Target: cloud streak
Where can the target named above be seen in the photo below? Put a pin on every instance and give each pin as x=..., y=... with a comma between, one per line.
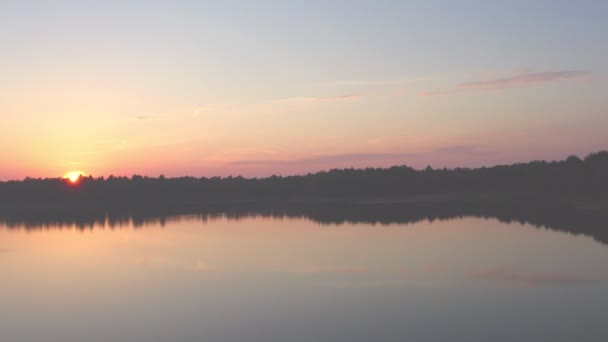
x=525, y=78
x=521, y=78
x=335, y=158
x=367, y=157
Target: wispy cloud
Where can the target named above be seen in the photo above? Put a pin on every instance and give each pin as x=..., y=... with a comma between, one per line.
x=374, y=83
x=513, y=79
x=369, y=157
x=526, y=77
x=335, y=158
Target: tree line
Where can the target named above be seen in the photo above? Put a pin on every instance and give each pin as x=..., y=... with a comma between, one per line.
x=572, y=177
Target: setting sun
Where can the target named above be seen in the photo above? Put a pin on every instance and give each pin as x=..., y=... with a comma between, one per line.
x=73, y=176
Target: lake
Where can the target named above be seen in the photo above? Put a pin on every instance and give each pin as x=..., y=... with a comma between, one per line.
x=292, y=278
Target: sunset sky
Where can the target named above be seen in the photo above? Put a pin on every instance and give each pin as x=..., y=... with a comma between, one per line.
x=209, y=88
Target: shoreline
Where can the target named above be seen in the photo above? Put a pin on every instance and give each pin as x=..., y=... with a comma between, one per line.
x=575, y=216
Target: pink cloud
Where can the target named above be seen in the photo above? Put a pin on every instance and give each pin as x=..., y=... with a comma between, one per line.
x=524, y=78
x=516, y=78
x=345, y=159
x=334, y=158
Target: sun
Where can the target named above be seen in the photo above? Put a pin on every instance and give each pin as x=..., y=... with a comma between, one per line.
x=74, y=176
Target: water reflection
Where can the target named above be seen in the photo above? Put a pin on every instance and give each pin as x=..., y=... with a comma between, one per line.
x=549, y=215
x=293, y=274
x=512, y=276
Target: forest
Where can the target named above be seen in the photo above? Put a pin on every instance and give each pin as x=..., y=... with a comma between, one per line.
x=570, y=178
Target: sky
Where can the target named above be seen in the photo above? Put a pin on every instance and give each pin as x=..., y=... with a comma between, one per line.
x=208, y=88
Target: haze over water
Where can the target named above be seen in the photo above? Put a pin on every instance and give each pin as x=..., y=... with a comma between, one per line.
x=290, y=279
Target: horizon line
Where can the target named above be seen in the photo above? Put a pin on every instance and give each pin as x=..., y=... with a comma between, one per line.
x=309, y=173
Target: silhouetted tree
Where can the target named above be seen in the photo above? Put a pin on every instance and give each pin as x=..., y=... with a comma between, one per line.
x=573, y=177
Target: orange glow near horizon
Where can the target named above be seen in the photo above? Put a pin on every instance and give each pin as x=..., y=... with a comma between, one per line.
x=74, y=176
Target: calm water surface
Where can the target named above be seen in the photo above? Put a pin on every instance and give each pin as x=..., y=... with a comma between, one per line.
x=272, y=279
